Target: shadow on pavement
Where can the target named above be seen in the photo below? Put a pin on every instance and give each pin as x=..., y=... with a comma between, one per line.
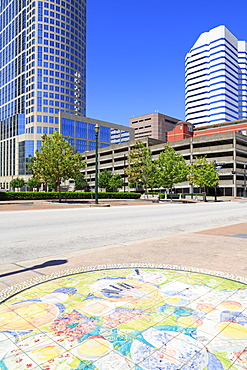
x=43, y=265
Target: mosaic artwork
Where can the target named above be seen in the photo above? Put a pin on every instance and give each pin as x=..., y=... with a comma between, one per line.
x=129, y=318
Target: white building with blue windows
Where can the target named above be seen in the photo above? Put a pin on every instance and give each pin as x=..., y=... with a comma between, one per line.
x=216, y=78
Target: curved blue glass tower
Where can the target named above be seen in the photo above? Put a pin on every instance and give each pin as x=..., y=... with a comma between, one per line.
x=42, y=72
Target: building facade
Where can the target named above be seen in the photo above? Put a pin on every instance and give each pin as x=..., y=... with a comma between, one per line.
x=215, y=78
x=154, y=125
x=79, y=131
x=239, y=126
x=182, y=130
x=42, y=73
x=229, y=148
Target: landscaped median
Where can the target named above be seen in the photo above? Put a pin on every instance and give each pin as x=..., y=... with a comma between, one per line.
x=65, y=195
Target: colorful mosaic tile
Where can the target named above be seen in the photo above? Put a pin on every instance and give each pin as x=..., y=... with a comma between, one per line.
x=138, y=318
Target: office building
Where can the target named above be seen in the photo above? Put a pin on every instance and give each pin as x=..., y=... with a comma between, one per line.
x=42, y=73
x=215, y=81
x=154, y=125
x=79, y=131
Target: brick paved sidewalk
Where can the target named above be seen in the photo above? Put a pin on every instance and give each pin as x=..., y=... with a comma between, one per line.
x=20, y=205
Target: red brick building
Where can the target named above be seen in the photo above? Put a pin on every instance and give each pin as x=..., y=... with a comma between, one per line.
x=182, y=130
x=231, y=126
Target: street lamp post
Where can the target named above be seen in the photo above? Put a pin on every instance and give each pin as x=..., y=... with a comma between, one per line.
x=217, y=166
x=96, y=129
x=215, y=186
x=244, y=180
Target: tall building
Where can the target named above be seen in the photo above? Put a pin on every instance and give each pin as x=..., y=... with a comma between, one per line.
x=154, y=125
x=216, y=78
x=42, y=72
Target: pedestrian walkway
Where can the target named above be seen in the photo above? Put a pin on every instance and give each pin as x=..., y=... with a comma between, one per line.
x=54, y=204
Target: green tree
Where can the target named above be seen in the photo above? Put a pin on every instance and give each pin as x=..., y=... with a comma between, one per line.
x=172, y=168
x=33, y=183
x=116, y=182
x=17, y=183
x=104, y=179
x=56, y=161
x=51, y=186
x=80, y=182
x=142, y=169
x=203, y=174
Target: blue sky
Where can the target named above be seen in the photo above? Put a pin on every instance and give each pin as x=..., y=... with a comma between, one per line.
x=136, y=51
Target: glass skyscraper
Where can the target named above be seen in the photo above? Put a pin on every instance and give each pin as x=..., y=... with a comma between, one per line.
x=216, y=78
x=42, y=72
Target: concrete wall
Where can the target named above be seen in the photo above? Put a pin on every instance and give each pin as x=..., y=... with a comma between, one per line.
x=153, y=125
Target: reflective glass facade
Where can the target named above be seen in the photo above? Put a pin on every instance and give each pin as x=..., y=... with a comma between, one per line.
x=42, y=72
x=81, y=134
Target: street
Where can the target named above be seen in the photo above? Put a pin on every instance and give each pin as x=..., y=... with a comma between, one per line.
x=39, y=233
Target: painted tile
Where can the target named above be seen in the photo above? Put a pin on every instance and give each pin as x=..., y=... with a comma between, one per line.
x=133, y=318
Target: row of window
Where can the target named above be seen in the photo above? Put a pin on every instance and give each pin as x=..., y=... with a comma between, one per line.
x=12, y=108
x=12, y=28
x=70, y=5
x=7, y=158
x=9, y=9
x=76, y=41
x=17, y=46
x=12, y=126
x=13, y=90
x=41, y=130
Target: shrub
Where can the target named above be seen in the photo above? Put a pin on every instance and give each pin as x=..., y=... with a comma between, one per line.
x=68, y=195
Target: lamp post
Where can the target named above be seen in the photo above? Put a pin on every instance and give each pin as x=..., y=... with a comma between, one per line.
x=217, y=166
x=96, y=129
x=244, y=181
x=215, y=186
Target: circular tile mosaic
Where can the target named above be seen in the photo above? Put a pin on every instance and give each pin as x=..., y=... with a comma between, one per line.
x=126, y=318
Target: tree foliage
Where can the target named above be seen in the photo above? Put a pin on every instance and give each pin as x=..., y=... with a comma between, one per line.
x=203, y=173
x=33, y=183
x=172, y=168
x=142, y=169
x=56, y=161
x=116, y=182
x=104, y=179
x=17, y=183
x=80, y=182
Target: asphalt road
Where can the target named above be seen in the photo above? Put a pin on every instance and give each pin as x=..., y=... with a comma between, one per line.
x=25, y=235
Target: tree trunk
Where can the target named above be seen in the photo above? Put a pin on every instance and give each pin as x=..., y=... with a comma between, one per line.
x=171, y=193
x=59, y=192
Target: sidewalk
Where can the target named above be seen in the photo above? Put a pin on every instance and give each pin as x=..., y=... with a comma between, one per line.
x=22, y=205
x=212, y=249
